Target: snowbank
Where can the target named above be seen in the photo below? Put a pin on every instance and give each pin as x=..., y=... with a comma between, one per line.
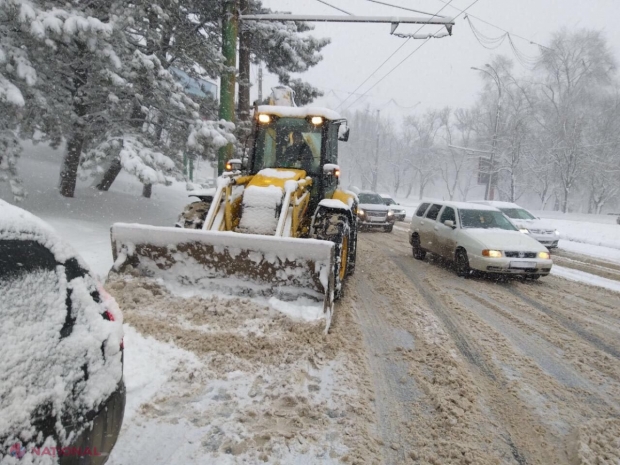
x=587, y=278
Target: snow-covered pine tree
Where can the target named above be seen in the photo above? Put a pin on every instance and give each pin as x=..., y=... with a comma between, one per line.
x=78, y=72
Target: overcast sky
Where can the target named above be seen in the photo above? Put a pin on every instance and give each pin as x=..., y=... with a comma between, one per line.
x=439, y=73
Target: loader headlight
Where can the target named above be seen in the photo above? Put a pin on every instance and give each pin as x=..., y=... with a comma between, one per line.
x=233, y=164
x=492, y=253
x=524, y=230
x=317, y=120
x=263, y=118
x=544, y=255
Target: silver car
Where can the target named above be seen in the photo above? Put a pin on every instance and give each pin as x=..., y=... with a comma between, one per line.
x=526, y=222
x=399, y=212
x=373, y=212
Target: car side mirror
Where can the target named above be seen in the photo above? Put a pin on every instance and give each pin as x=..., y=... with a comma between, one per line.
x=343, y=132
x=450, y=224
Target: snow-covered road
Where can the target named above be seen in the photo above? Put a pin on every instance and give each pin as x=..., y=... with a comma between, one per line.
x=472, y=371
x=420, y=366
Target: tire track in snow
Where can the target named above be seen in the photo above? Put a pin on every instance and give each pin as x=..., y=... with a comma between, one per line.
x=512, y=438
x=393, y=396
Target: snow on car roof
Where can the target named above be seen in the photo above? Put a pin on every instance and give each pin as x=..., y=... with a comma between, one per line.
x=496, y=203
x=461, y=205
x=17, y=223
x=386, y=196
x=299, y=112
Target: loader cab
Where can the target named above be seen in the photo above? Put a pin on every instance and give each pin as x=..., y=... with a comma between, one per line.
x=307, y=142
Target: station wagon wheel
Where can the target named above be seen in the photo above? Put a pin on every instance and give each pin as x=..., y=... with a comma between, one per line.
x=462, y=264
x=418, y=252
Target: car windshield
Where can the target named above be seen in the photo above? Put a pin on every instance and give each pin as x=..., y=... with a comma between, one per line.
x=517, y=214
x=484, y=219
x=288, y=143
x=388, y=201
x=369, y=197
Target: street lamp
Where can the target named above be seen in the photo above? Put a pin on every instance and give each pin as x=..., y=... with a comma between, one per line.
x=489, y=193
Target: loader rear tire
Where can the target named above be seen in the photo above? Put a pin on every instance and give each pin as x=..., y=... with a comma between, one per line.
x=335, y=227
x=194, y=215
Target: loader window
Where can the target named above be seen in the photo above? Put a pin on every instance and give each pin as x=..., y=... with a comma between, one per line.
x=288, y=143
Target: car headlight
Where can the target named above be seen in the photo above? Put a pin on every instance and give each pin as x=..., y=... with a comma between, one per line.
x=524, y=230
x=390, y=213
x=492, y=253
x=557, y=233
x=360, y=212
x=544, y=255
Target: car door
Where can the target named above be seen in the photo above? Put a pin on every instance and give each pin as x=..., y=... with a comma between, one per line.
x=446, y=236
x=427, y=228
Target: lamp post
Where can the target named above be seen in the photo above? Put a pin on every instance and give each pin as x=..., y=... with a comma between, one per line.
x=490, y=189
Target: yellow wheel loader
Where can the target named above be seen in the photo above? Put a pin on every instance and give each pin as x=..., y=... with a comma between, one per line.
x=277, y=224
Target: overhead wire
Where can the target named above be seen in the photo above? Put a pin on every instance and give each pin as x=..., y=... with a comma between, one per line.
x=496, y=26
x=388, y=58
x=492, y=43
x=334, y=7
x=407, y=57
x=404, y=8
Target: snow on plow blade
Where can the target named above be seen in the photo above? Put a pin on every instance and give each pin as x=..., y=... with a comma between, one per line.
x=228, y=262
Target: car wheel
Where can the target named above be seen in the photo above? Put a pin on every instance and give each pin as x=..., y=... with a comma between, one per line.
x=462, y=264
x=418, y=252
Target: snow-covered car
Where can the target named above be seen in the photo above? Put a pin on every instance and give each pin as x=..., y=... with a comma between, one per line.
x=476, y=238
x=62, y=396
x=373, y=212
x=526, y=222
x=399, y=212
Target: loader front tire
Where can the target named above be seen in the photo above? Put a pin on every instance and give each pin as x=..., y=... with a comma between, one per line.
x=194, y=215
x=335, y=227
x=352, y=251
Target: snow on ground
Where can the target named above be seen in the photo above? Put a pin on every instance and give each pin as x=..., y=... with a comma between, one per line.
x=597, y=251
x=586, y=229
x=587, y=278
x=244, y=384
x=85, y=220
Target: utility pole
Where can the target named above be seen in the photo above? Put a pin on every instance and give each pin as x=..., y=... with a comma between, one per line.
x=490, y=194
x=230, y=28
x=244, y=66
x=375, y=173
x=491, y=180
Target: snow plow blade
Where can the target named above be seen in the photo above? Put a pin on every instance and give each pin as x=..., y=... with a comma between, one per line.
x=228, y=262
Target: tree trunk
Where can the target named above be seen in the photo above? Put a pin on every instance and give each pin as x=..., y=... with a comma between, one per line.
x=70, y=163
x=71, y=160
x=409, y=188
x=110, y=175
x=565, y=201
x=422, y=186
x=147, y=190
x=137, y=120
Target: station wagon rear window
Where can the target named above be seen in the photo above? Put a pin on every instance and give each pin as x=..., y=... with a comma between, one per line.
x=484, y=219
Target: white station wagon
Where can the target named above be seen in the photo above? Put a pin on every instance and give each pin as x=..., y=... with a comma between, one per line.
x=476, y=238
